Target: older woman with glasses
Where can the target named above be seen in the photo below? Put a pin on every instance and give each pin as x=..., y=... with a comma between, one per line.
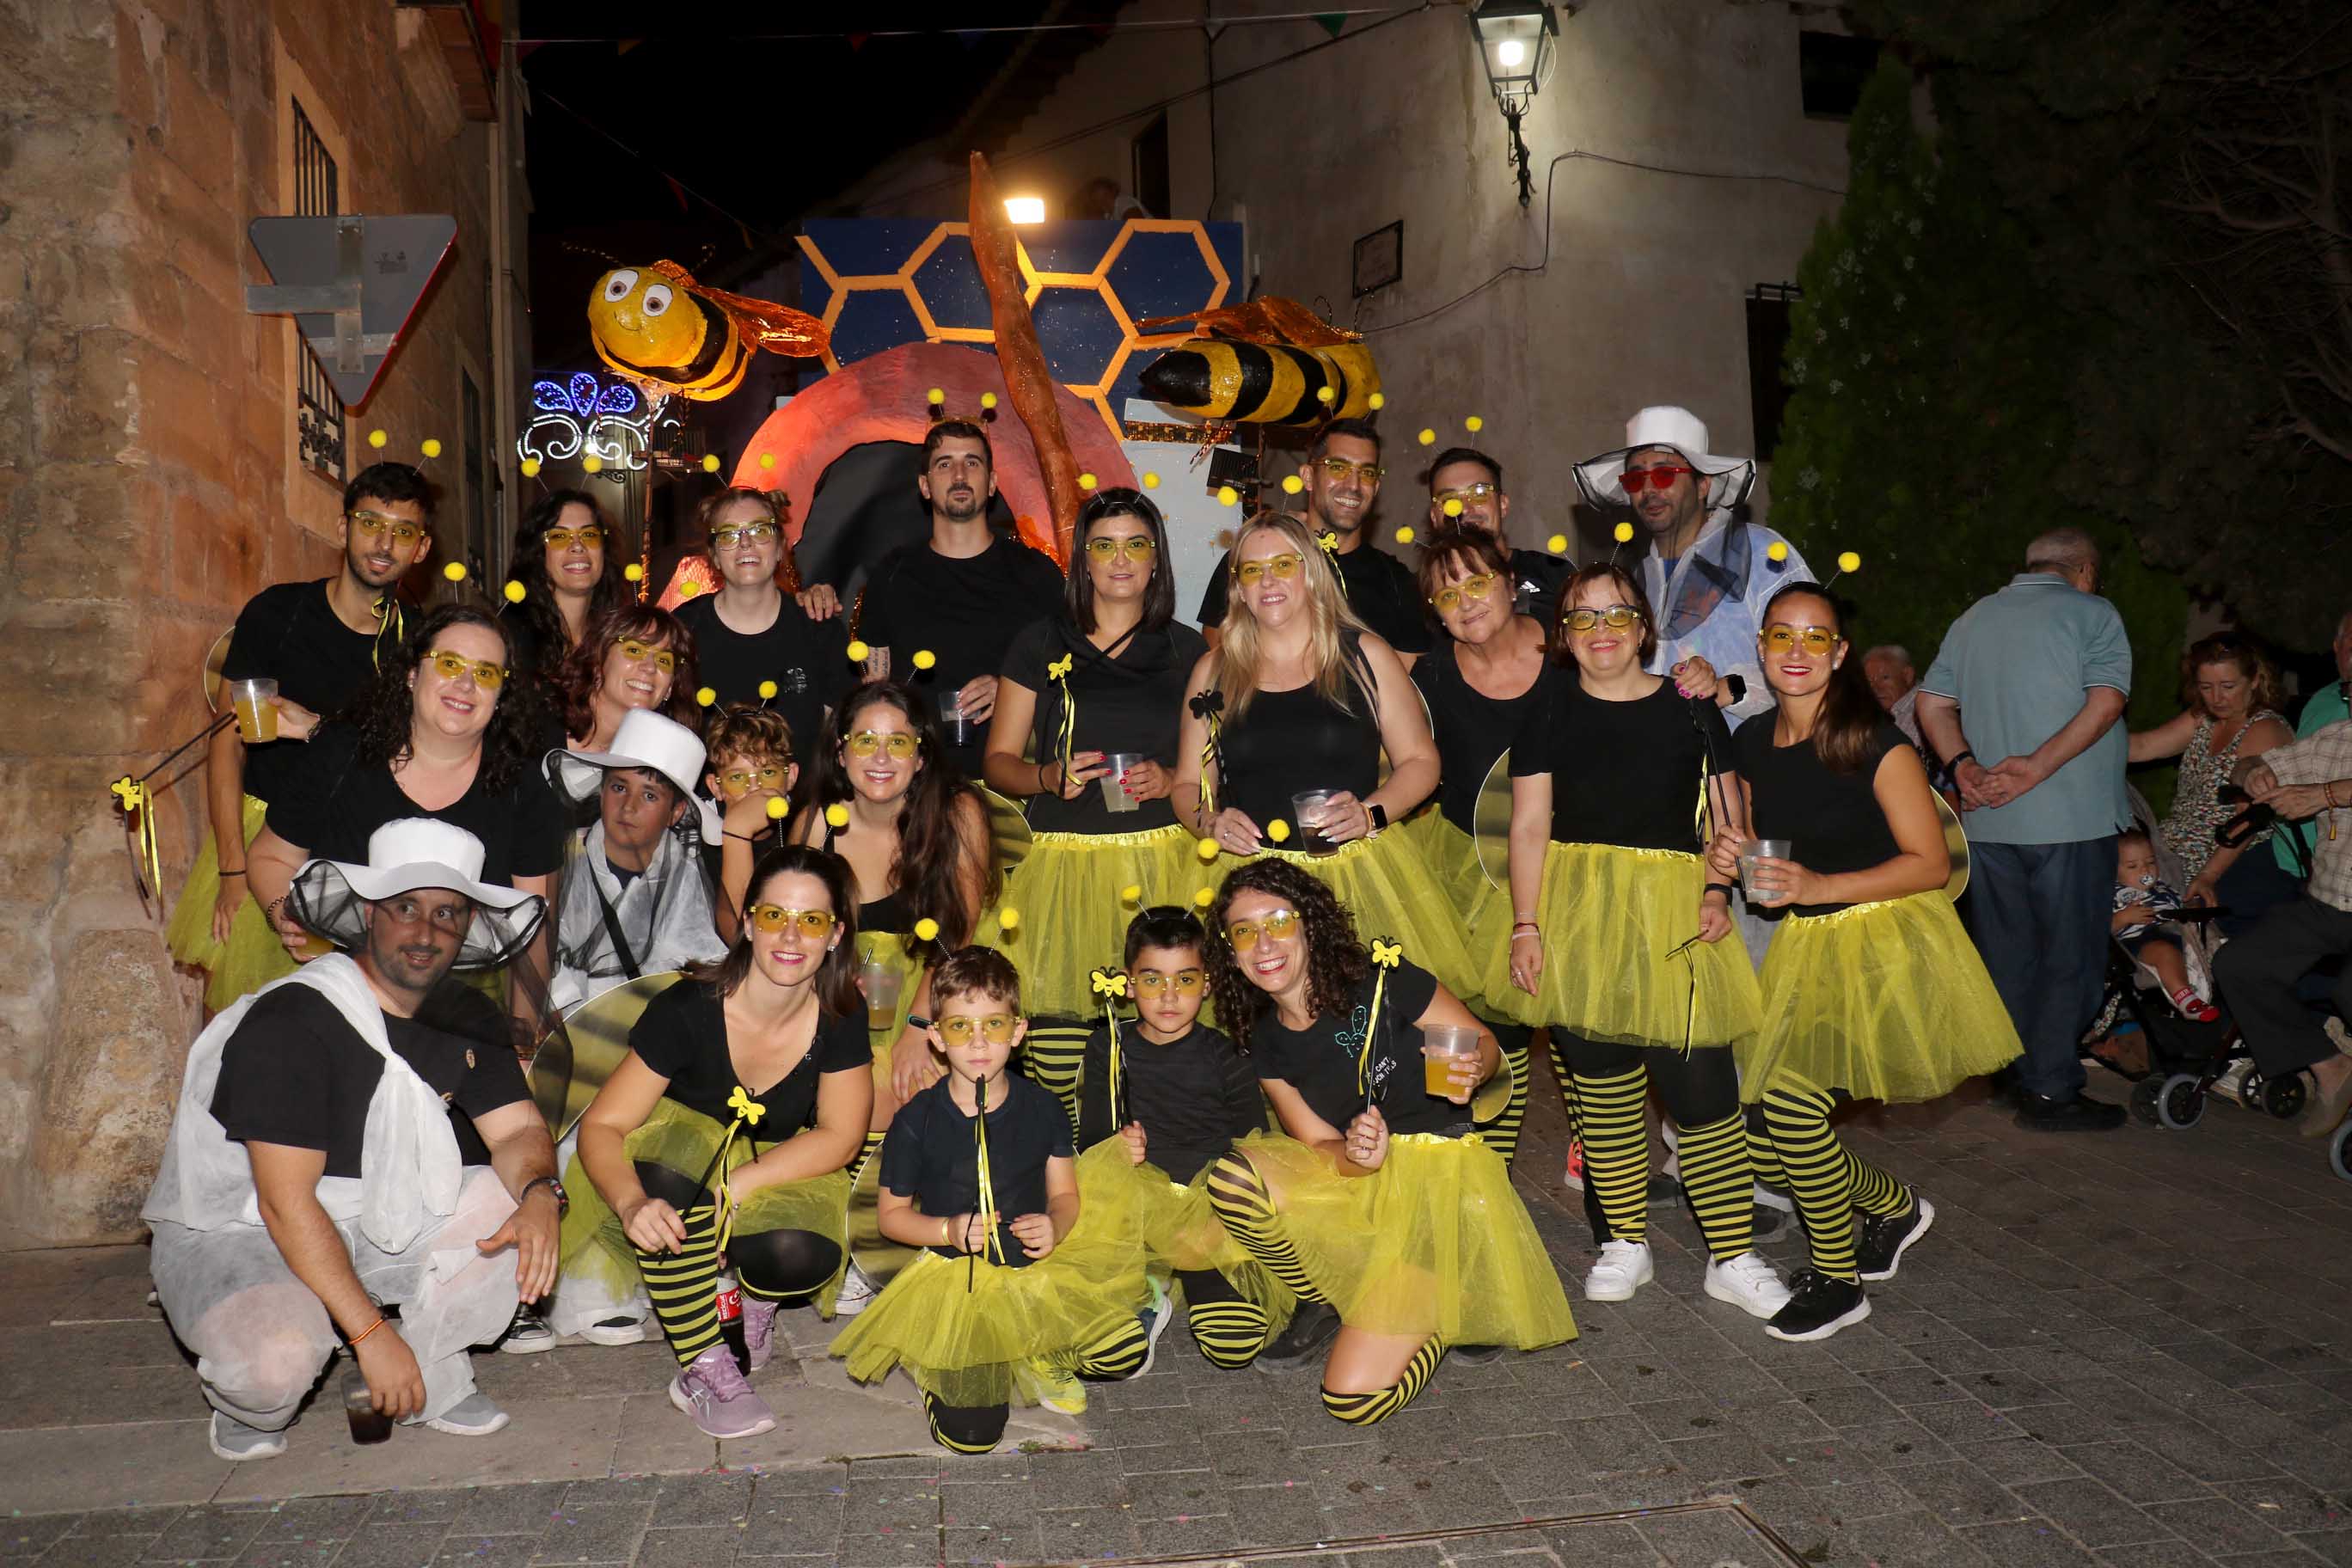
x=1085, y=732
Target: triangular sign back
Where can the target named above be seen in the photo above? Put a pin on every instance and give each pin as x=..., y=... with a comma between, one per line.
x=352, y=282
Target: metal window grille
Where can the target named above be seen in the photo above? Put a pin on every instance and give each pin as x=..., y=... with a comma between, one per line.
x=318, y=418
x=477, y=503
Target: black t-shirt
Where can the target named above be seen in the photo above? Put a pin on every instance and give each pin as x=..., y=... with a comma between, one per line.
x=1193, y=1095
x=682, y=1036
x=291, y=633
x=531, y=658
x=808, y=660
x=1130, y=699
x=331, y=802
x=932, y=1156
x=1536, y=578
x=296, y=1073
x=1473, y=729
x=1833, y=821
x=1319, y=1061
x=1623, y=773
x=1381, y=590
x=1289, y=742
x=964, y=611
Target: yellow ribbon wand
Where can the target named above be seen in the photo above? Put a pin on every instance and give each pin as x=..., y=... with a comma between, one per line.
x=987, y=1216
x=1058, y=672
x=1111, y=986
x=1386, y=956
x=748, y=1112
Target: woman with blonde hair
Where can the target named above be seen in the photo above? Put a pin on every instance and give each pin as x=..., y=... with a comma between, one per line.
x=1285, y=722
x=2230, y=696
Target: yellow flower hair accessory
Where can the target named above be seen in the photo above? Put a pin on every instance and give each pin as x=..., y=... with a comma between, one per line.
x=837, y=814
x=926, y=930
x=859, y=652
x=778, y=807
x=514, y=592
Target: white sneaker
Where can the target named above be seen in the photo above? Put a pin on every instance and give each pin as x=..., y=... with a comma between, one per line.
x=857, y=1293
x=620, y=1330
x=473, y=1417
x=1623, y=1269
x=233, y=1440
x=1749, y=1283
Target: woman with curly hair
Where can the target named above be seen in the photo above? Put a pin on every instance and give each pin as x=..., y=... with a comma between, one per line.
x=638, y=656
x=559, y=554
x=916, y=838
x=1382, y=1209
x=1103, y=680
x=439, y=735
x=1294, y=707
x=2230, y=696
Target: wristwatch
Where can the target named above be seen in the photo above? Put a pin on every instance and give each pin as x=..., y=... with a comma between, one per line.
x=1378, y=813
x=563, y=1198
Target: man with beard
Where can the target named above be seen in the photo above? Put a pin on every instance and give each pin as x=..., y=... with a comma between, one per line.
x=958, y=595
x=313, y=1170
x=1342, y=479
x=318, y=641
x=749, y=634
x=1468, y=479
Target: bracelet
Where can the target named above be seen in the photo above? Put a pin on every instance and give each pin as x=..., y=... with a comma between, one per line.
x=744, y=838
x=238, y=872
x=1963, y=755
x=947, y=1231
x=1723, y=887
x=354, y=1340
x=2328, y=794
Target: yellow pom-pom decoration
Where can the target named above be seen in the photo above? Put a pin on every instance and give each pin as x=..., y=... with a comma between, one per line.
x=1377, y=401
x=1428, y=437
x=431, y=447
x=710, y=462
x=529, y=468
x=837, y=814
x=859, y=652
x=1474, y=424
x=1453, y=506
x=1278, y=831
x=767, y=689
x=1203, y=895
x=634, y=573
x=1008, y=919
x=988, y=400
x=935, y=396
x=1322, y=395
x=455, y=571
x=591, y=464
x=777, y=807
x=1206, y=848
x=1405, y=535
x=706, y=696
x=1557, y=545
x=767, y=460
x=1292, y=484
x=1625, y=533
x=1085, y=481
x=1849, y=562
x=925, y=659
x=376, y=438
x=926, y=930
x=1131, y=894
x=1227, y=495
x=1776, y=551
x=1150, y=481
x=514, y=592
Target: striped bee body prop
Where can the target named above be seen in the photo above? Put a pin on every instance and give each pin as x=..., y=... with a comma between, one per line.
x=1264, y=384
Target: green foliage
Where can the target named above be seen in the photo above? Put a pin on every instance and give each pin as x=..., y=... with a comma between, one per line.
x=1929, y=422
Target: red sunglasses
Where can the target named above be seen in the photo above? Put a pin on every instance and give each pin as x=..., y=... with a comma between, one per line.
x=1661, y=478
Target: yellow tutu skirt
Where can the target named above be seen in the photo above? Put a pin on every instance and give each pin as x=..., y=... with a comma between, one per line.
x=1387, y=885
x=594, y=1248
x=253, y=956
x=1452, y=856
x=1174, y=1222
x=1612, y=918
x=1885, y=1001
x=887, y=949
x=963, y=1327
x=1436, y=1242
x=1071, y=890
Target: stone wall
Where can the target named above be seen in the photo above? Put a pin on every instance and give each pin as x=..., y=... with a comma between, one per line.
x=147, y=488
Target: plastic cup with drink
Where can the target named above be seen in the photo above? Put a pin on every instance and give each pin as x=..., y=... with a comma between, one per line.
x=256, y=709
x=955, y=730
x=1442, y=1046
x=880, y=980
x=368, y=1424
x=1114, y=783
x=1753, y=850
x=1308, y=809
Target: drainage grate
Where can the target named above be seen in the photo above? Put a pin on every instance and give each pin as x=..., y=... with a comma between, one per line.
x=1746, y=1541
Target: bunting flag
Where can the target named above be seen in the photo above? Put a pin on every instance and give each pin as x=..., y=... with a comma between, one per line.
x=1332, y=22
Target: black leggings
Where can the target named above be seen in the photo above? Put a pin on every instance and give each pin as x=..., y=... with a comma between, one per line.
x=773, y=1265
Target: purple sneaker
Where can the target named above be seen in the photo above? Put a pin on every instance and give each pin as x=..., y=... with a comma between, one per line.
x=759, y=1330
x=714, y=1396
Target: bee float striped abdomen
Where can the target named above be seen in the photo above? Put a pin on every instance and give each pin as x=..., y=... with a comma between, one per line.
x=1263, y=383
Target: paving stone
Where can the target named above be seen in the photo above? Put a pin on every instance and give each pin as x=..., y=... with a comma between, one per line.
x=2217, y=1527
x=2091, y=1514
x=99, y=1552
x=206, y=1534
x=1958, y=1493
x=389, y=1545
x=2028, y=1543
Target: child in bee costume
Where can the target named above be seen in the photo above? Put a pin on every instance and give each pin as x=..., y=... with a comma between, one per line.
x=1164, y=1096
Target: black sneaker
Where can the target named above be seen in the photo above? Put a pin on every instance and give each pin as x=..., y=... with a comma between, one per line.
x=1879, y=1242
x=1474, y=1355
x=1818, y=1306
x=2080, y=1113
x=1313, y=1326
x=528, y=1333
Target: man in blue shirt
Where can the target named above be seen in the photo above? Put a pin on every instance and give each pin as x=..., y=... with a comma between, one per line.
x=2021, y=704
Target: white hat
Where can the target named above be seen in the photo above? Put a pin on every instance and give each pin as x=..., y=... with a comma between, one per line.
x=405, y=855
x=1680, y=429
x=644, y=740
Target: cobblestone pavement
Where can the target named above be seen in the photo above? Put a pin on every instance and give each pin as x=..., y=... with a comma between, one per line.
x=2127, y=1350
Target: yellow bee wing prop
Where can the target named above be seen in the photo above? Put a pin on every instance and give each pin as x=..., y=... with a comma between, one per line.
x=581, y=1052
x=217, y=660
x=1956, y=844
x=1008, y=829
x=1490, y=824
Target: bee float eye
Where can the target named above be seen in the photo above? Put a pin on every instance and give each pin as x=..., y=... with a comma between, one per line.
x=656, y=299
x=617, y=285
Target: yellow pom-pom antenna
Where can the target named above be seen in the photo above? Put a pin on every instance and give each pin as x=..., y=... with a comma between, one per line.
x=591, y=464
x=1278, y=831
x=859, y=652
x=706, y=696
x=1453, y=506
x=1227, y=495
x=767, y=460
x=1206, y=848
x=455, y=571
x=935, y=396
x=926, y=930
x=529, y=468
x=1323, y=394
x=1131, y=894
x=1085, y=481
x=1150, y=480
x=1557, y=545
x=1849, y=562
x=988, y=400
x=1292, y=484
x=514, y=592
x=778, y=806
x=1204, y=895
x=376, y=438
x=710, y=462
x=925, y=659
x=1405, y=535
x=634, y=573
x=1008, y=919
x=1474, y=424
x=767, y=689
x=1427, y=438
x=430, y=448
x=1377, y=401
x=1776, y=551
x=1623, y=533
x=837, y=814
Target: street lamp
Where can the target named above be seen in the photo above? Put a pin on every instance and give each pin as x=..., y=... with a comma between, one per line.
x=1515, y=42
x=1024, y=209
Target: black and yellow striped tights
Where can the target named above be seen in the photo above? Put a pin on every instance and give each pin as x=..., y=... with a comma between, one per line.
x=1241, y=1200
x=977, y=1428
x=780, y=1266
x=1053, y=1055
x=1793, y=1146
x=1701, y=1093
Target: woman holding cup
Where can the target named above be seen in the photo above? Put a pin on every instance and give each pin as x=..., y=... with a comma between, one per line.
x=1093, y=694
x=1296, y=706
x=1610, y=791
x=1872, y=991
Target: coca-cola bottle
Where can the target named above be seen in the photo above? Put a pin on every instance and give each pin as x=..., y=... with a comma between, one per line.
x=730, y=1293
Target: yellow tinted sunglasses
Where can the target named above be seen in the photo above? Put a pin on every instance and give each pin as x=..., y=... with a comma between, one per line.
x=996, y=1028
x=488, y=676
x=1616, y=617
x=374, y=523
x=1135, y=547
x=1184, y=982
x=744, y=534
x=588, y=538
x=1816, y=640
x=1448, y=599
x=1339, y=468
x=898, y=745
x=735, y=780
x=1244, y=935
x=631, y=649
x=816, y=924
x=1282, y=567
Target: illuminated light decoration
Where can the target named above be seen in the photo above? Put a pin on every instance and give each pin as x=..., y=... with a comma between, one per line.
x=588, y=417
x=1024, y=209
